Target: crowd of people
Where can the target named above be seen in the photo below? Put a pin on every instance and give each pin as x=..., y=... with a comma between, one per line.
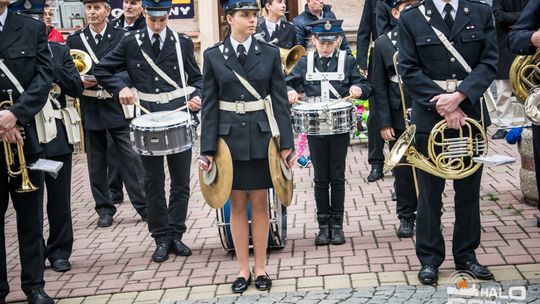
x=418, y=63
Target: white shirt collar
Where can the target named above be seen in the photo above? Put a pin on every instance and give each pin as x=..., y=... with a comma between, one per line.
x=162, y=36
x=102, y=32
x=271, y=26
x=3, y=18
x=440, y=4
x=235, y=43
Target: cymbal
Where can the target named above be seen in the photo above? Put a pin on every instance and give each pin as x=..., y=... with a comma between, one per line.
x=282, y=177
x=216, y=185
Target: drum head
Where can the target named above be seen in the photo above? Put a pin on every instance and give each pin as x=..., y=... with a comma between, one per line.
x=217, y=193
x=282, y=184
x=161, y=119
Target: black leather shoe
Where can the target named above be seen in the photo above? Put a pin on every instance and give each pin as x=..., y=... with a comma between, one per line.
x=263, y=282
x=323, y=237
x=161, y=254
x=479, y=271
x=429, y=274
x=375, y=174
x=406, y=228
x=240, y=284
x=179, y=248
x=61, y=265
x=38, y=296
x=105, y=220
x=500, y=134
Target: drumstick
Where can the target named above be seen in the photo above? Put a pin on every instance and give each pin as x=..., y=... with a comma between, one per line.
x=300, y=101
x=142, y=108
x=177, y=110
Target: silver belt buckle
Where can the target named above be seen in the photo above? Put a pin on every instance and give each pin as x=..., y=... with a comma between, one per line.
x=99, y=94
x=451, y=85
x=240, y=107
x=163, y=98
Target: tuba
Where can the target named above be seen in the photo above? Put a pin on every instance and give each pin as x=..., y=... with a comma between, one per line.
x=26, y=184
x=82, y=61
x=525, y=79
x=289, y=58
x=448, y=158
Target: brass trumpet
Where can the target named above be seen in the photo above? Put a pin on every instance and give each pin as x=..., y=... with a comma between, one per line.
x=289, y=58
x=82, y=61
x=524, y=75
x=26, y=184
x=448, y=158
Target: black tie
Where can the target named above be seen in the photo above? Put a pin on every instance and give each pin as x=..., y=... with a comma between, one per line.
x=325, y=61
x=1, y=28
x=241, y=50
x=448, y=17
x=155, y=45
x=98, y=38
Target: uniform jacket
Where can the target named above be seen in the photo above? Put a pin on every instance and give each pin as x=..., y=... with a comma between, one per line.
x=388, y=103
x=367, y=32
x=303, y=31
x=285, y=35
x=99, y=114
x=66, y=76
x=296, y=79
x=506, y=13
x=23, y=47
x=128, y=56
x=519, y=39
x=139, y=24
x=247, y=135
x=385, y=22
x=422, y=57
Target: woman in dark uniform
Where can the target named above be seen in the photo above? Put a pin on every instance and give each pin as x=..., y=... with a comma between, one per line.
x=275, y=28
x=328, y=152
x=231, y=112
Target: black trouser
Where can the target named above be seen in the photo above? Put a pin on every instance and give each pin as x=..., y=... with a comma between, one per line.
x=167, y=223
x=328, y=154
x=113, y=173
x=429, y=238
x=536, y=147
x=29, y=210
x=404, y=187
x=60, y=241
x=97, y=166
x=375, y=141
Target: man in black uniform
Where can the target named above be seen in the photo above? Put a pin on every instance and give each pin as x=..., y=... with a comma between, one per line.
x=367, y=33
x=389, y=110
x=131, y=19
x=102, y=114
x=524, y=39
x=159, y=43
x=60, y=241
x=25, y=65
x=441, y=88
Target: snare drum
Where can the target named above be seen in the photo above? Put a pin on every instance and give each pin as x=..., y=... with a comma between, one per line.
x=161, y=133
x=323, y=118
x=277, y=234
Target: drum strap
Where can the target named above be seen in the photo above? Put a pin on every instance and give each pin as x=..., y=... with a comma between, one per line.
x=325, y=77
x=487, y=96
x=88, y=48
x=274, y=129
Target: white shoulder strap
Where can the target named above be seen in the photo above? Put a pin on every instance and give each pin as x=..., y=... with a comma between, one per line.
x=446, y=43
x=11, y=77
x=156, y=68
x=242, y=80
x=181, y=70
x=88, y=48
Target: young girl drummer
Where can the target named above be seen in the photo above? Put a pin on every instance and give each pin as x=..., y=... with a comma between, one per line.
x=328, y=152
x=231, y=112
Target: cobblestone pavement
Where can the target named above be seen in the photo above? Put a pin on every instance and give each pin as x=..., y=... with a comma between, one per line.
x=112, y=265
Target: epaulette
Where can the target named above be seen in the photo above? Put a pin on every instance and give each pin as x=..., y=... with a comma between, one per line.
x=130, y=33
x=77, y=32
x=413, y=5
x=264, y=42
x=215, y=45
x=479, y=1
x=29, y=17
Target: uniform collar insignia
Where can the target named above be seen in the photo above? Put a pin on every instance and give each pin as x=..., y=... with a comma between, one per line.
x=466, y=10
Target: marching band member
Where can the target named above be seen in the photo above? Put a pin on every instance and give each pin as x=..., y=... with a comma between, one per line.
x=131, y=19
x=389, y=110
x=328, y=152
x=159, y=43
x=274, y=29
x=524, y=39
x=102, y=115
x=27, y=69
x=60, y=241
x=247, y=133
x=441, y=88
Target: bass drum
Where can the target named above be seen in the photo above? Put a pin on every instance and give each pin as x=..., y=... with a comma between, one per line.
x=277, y=235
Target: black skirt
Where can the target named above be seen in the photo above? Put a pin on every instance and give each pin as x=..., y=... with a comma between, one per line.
x=251, y=175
